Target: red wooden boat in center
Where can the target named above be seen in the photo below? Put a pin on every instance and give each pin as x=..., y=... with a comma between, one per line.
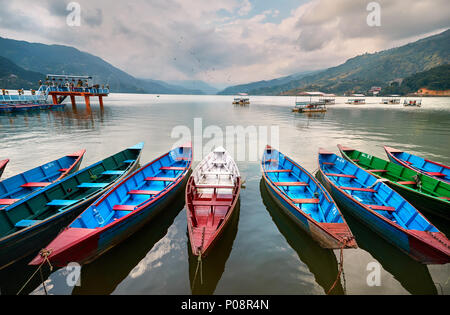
x=212, y=193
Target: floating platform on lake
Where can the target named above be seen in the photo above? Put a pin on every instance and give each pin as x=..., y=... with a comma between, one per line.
x=59, y=87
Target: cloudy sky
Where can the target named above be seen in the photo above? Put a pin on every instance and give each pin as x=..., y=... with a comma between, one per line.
x=223, y=42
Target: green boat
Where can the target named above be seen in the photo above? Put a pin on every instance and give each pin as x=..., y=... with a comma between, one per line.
x=30, y=224
x=423, y=192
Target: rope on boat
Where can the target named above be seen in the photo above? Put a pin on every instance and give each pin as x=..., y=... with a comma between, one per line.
x=199, y=266
x=341, y=268
x=45, y=253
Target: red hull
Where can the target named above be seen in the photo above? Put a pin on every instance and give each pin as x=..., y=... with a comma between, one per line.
x=208, y=216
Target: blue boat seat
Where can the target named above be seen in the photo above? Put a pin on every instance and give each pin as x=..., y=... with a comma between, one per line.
x=26, y=223
x=93, y=185
x=112, y=173
x=62, y=203
x=129, y=161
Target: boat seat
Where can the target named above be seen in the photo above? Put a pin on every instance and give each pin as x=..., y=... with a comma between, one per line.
x=171, y=168
x=160, y=179
x=328, y=163
x=341, y=175
x=382, y=208
x=62, y=203
x=35, y=185
x=26, y=223
x=278, y=171
x=124, y=208
x=306, y=201
x=207, y=186
x=436, y=174
x=271, y=161
x=129, y=161
x=93, y=185
x=8, y=202
x=182, y=159
x=144, y=192
x=112, y=173
x=211, y=203
x=291, y=184
x=355, y=160
x=407, y=183
x=359, y=189
x=378, y=171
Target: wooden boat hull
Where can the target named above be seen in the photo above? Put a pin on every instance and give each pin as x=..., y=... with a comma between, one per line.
x=209, y=213
x=3, y=166
x=82, y=242
x=28, y=240
x=437, y=205
x=430, y=168
x=425, y=247
x=328, y=235
x=322, y=237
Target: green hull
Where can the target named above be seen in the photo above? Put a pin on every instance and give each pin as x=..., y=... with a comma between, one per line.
x=18, y=240
x=425, y=193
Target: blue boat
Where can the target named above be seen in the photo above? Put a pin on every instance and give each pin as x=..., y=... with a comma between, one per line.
x=122, y=210
x=418, y=164
x=304, y=199
x=17, y=187
x=383, y=210
x=29, y=224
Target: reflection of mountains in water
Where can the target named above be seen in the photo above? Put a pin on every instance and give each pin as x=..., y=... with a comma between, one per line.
x=105, y=273
x=412, y=275
x=213, y=266
x=321, y=262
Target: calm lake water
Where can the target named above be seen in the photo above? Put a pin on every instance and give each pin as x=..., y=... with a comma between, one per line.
x=262, y=251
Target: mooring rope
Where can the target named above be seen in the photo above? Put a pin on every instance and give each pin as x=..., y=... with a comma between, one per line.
x=199, y=266
x=341, y=268
x=45, y=253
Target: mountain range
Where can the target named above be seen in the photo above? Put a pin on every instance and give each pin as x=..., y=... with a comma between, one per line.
x=30, y=62
x=23, y=64
x=359, y=74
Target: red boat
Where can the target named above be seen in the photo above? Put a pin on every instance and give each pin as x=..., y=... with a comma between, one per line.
x=212, y=193
x=2, y=166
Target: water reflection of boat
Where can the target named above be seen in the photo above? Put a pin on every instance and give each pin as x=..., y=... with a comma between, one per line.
x=213, y=266
x=321, y=262
x=412, y=275
x=103, y=275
